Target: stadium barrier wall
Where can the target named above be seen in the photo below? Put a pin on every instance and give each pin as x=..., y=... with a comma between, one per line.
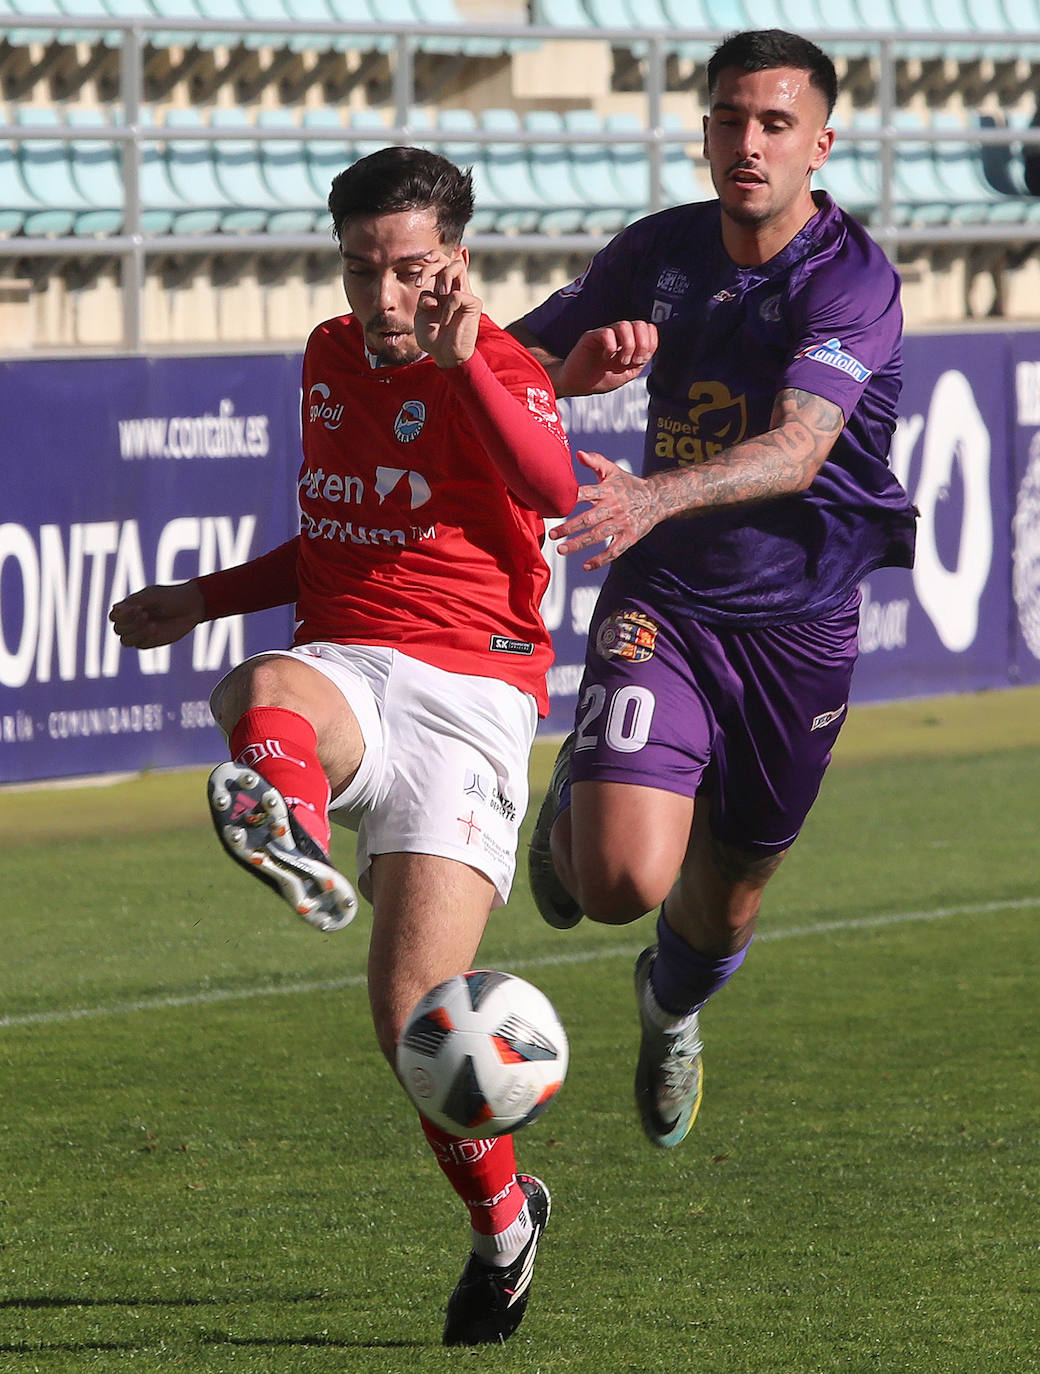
x=119, y=472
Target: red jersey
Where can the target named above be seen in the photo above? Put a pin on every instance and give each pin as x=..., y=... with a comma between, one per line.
x=409, y=535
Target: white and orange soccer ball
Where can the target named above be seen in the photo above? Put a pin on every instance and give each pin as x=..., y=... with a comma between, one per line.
x=483, y=1054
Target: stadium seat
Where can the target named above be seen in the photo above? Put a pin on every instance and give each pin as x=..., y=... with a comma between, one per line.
x=189, y=165
x=550, y=167
x=283, y=166
x=323, y=12
x=842, y=176
x=326, y=157
x=561, y=14
x=509, y=172
x=237, y=166
x=20, y=210
x=46, y=166
x=592, y=174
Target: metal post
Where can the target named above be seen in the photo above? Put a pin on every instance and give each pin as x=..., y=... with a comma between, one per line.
x=131, y=75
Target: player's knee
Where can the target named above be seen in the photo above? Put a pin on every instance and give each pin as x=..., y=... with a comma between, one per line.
x=617, y=897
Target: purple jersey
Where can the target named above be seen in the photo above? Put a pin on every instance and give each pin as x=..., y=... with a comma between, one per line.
x=823, y=316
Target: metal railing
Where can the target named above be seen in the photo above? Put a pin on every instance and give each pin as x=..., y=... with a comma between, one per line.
x=134, y=248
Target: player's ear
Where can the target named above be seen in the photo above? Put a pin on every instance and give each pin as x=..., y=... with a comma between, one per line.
x=822, y=151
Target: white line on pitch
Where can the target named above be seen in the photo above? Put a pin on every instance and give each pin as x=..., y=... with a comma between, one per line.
x=587, y=956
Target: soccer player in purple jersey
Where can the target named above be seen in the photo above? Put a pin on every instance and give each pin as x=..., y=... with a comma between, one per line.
x=721, y=651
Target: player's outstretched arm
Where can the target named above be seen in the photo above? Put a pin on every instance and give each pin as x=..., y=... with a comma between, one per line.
x=158, y=615
x=781, y=462
x=602, y=359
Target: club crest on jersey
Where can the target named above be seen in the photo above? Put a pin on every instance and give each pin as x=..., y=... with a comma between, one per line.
x=832, y=354
x=409, y=422
x=627, y=634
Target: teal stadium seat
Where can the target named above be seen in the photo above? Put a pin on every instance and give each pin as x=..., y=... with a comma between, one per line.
x=233, y=11
x=560, y=14
x=20, y=210
x=563, y=211
x=173, y=38
x=509, y=172
x=326, y=157
x=689, y=14
x=237, y=165
x=188, y=164
x=323, y=12
x=47, y=170
x=593, y=174
x=283, y=166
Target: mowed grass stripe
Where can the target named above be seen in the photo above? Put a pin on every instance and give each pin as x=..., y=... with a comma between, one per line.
x=212, y=996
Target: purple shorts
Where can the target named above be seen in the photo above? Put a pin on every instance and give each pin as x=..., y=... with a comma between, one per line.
x=745, y=718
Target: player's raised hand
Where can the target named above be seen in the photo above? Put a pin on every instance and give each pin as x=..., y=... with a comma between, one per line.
x=622, y=508
x=158, y=615
x=604, y=359
x=448, y=316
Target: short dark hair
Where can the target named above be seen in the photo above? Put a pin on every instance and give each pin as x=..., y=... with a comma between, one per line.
x=397, y=179
x=760, y=50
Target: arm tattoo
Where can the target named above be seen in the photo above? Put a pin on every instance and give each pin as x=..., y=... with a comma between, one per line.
x=780, y=462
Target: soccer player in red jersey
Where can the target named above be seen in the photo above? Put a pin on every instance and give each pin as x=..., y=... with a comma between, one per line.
x=408, y=701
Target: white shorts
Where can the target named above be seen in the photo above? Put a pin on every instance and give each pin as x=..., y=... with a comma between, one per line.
x=445, y=764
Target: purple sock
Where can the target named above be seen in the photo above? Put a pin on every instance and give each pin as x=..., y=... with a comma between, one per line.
x=682, y=978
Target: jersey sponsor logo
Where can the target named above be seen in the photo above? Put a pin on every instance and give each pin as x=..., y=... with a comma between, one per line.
x=827, y=718
x=831, y=354
x=661, y=311
x=502, y=644
x=542, y=405
x=715, y=420
x=724, y=296
x=627, y=634
x=388, y=479
x=323, y=408
x=573, y=288
x=409, y=422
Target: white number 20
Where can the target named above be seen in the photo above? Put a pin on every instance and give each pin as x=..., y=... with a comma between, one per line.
x=628, y=718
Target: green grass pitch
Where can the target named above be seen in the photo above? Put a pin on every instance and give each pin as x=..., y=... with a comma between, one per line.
x=205, y=1165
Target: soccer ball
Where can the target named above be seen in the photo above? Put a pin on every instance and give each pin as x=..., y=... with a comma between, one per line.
x=482, y=1054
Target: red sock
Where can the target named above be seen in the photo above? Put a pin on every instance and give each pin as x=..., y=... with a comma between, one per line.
x=483, y=1173
x=283, y=748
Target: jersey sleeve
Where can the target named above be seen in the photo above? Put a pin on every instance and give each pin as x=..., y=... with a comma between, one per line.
x=848, y=325
x=266, y=581
x=511, y=408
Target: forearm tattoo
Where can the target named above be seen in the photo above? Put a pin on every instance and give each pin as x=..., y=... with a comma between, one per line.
x=780, y=462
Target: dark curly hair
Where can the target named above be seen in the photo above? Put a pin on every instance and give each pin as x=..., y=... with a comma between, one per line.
x=396, y=179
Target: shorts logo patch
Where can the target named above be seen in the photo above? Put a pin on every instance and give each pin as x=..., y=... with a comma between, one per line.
x=828, y=718
x=627, y=634
x=833, y=355
x=502, y=644
x=409, y=422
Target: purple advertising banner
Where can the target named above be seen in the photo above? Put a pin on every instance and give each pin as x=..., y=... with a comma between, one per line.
x=127, y=471
x=1025, y=502
x=118, y=473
